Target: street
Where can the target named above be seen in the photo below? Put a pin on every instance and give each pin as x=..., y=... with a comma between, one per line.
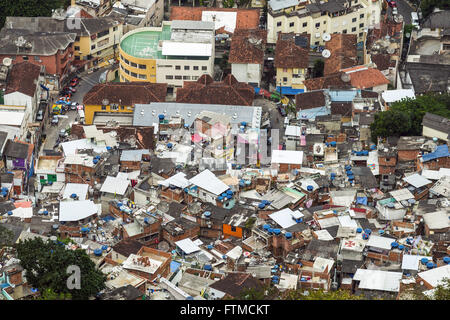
x=405, y=10
x=65, y=121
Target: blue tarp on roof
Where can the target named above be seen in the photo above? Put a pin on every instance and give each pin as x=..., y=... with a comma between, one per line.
x=174, y=266
x=361, y=200
x=289, y=90
x=441, y=151
x=313, y=113
x=257, y=90
x=342, y=95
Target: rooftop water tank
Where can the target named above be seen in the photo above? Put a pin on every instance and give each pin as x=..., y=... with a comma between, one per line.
x=266, y=226
x=104, y=247
x=207, y=267
x=276, y=231
x=161, y=117
x=73, y=195
x=169, y=145
x=209, y=247
x=261, y=205
x=207, y=213
x=401, y=247
x=446, y=260
x=310, y=188
x=424, y=260
x=95, y=161
x=394, y=244
x=430, y=265
x=368, y=231
x=98, y=252
x=10, y=213
x=288, y=235
x=333, y=143
x=359, y=230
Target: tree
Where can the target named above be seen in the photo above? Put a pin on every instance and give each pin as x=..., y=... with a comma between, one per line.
x=442, y=291
x=427, y=6
x=318, y=68
x=303, y=294
x=6, y=237
x=49, y=294
x=46, y=265
x=404, y=118
x=29, y=8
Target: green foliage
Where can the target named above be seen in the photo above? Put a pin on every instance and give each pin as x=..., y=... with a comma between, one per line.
x=46, y=266
x=427, y=6
x=29, y=8
x=442, y=291
x=407, y=29
x=228, y=3
x=249, y=223
x=224, y=62
x=49, y=294
x=404, y=118
x=318, y=68
x=267, y=292
x=6, y=237
x=321, y=295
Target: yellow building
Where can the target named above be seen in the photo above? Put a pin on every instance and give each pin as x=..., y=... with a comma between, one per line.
x=97, y=39
x=116, y=98
x=177, y=51
x=291, y=63
x=319, y=17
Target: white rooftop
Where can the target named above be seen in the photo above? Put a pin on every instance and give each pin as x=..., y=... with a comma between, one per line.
x=437, y=220
x=293, y=131
x=287, y=156
x=187, y=245
x=79, y=189
x=411, y=262
x=116, y=185
x=11, y=118
x=435, y=276
x=284, y=218
x=144, y=264
x=416, y=180
x=396, y=95
x=323, y=235
x=209, y=182
x=77, y=210
x=378, y=280
x=179, y=180
x=175, y=48
x=402, y=194
x=380, y=242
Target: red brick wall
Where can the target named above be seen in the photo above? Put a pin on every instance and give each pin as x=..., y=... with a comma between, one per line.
x=382, y=161
x=407, y=155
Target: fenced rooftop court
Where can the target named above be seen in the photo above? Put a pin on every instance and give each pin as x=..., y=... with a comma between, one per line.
x=145, y=44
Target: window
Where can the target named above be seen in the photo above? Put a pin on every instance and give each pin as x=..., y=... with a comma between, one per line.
x=93, y=47
x=77, y=48
x=114, y=28
x=178, y=78
x=316, y=43
x=114, y=106
x=195, y=67
x=305, y=24
x=353, y=29
x=186, y=78
x=446, y=46
x=169, y=77
x=103, y=107
x=325, y=22
x=37, y=58
x=361, y=25
x=317, y=24
x=142, y=66
x=204, y=68
x=77, y=38
x=291, y=24
x=344, y=31
x=354, y=20
x=284, y=79
x=177, y=67
x=126, y=61
x=194, y=77
x=25, y=58
x=361, y=15
x=142, y=76
x=134, y=75
x=186, y=67
x=279, y=24
x=103, y=33
x=360, y=34
x=134, y=65
x=122, y=108
x=233, y=229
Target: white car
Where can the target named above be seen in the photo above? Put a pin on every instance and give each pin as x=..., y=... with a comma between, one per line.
x=394, y=11
x=73, y=106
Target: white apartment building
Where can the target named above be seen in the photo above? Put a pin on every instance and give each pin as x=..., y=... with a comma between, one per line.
x=317, y=17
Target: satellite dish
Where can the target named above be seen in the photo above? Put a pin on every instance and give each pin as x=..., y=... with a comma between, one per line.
x=326, y=37
x=326, y=53
x=390, y=50
x=345, y=77
x=7, y=62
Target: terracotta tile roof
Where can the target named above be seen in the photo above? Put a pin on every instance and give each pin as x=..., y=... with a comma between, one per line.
x=364, y=77
x=360, y=77
x=205, y=90
x=343, y=53
x=22, y=78
x=309, y=100
x=342, y=108
x=247, y=46
x=329, y=81
x=126, y=93
x=383, y=61
x=234, y=283
x=246, y=18
x=290, y=55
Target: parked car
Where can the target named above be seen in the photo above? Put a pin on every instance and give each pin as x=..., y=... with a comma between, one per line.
x=62, y=133
x=394, y=11
x=392, y=4
x=73, y=105
x=55, y=120
x=70, y=89
x=74, y=83
x=40, y=115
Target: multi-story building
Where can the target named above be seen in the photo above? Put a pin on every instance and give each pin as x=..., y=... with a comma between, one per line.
x=139, y=13
x=318, y=17
x=291, y=62
x=96, y=38
x=53, y=50
x=177, y=51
